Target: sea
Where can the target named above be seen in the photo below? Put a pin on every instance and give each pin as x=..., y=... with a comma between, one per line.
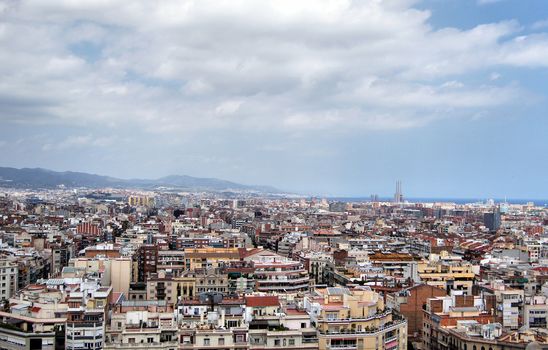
x=536, y=202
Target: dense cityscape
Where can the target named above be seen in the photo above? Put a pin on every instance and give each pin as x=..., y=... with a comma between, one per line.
x=129, y=269
x=273, y=174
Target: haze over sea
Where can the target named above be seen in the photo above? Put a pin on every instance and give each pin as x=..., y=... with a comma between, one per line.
x=536, y=202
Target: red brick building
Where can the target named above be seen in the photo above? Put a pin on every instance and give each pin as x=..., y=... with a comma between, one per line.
x=410, y=303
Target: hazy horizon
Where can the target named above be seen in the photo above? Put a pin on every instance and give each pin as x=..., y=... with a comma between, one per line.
x=357, y=197
x=337, y=98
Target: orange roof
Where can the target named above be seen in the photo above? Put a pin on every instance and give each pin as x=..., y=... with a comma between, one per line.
x=114, y=297
x=325, y=232
x=262, y=301
x=295, y=312
x=244, y=252
x=333, y=307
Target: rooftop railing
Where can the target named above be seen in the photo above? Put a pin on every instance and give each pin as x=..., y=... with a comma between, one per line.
x=387, y=327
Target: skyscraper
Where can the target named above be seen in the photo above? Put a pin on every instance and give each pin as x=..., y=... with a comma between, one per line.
x=492, y=220
x=398, y=196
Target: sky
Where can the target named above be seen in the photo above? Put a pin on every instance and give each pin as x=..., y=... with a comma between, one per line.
x=334, y=97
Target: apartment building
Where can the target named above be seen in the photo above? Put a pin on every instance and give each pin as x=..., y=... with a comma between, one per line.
x=143, y=330
x=397, y=265
x=166, y=286
x=140, y=201
x=442, y=313
x=510, y=303
x=202, y=258
x=172, y=261
x=274, y=273
x=354, y=319
x=147, y=259
x=449, y=275
x=409, y=303
x=28, y=332
x=535, y=312
x=8, y=278
x=86, y=316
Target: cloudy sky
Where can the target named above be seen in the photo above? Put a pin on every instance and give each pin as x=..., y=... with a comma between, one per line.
x=332, y=97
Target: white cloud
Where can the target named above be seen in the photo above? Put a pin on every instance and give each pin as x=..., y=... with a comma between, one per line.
x=176, y=66
x=453, y=84
x=540, y=24
x=526, y=51
x=228, y=107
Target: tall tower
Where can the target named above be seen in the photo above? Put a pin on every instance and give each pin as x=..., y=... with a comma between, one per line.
x=398, y=196
x=492, y=219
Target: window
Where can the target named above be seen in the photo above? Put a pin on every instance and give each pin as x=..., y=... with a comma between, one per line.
x=206, y=342
x=291, y=342
x=332, y=316
x=221, y=341
x=150, y=340
x=276, y=342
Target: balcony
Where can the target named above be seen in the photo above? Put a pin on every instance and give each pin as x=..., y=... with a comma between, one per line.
x=310, y=340
x=85, y=325
x=162, y=345
x=537, y=325
x=283, y=280
x=84, y=337
x=392, y=345
x=391, y=339
x=360, y=319
x=387, y=328
x=147, y=329
x=341, y=347
x=282, y=287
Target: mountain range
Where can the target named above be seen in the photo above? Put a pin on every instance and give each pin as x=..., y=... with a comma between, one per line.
x=44, y=178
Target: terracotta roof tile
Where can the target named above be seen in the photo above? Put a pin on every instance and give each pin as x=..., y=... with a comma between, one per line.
x=262, y=301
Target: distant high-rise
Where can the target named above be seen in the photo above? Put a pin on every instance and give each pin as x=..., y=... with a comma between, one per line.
x=140, y=201
x=337, y=207
x=492, y=220
x=398, y=196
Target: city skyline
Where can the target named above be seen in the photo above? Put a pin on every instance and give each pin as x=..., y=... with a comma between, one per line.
x=78, y=180
x=331, y=98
